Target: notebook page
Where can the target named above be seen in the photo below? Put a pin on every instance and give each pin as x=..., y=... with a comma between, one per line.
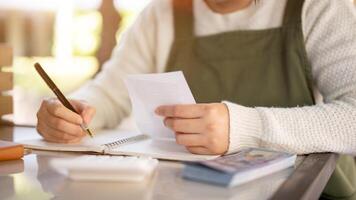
x=166, y=149
x=148, y=91
x=95, y=144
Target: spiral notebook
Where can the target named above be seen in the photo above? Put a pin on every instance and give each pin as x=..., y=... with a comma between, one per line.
x=116, y=142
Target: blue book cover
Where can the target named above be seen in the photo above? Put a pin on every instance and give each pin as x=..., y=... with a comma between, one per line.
x=239, y=168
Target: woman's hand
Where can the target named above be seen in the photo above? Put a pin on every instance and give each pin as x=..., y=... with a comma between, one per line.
x=201, y=128
x=57, y=123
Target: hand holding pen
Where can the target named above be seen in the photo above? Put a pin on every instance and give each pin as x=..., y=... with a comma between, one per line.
x=62, y=120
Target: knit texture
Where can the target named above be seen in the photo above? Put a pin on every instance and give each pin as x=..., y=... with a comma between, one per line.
x=329, y=28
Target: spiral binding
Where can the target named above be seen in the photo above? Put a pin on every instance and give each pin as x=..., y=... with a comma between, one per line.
x=121, y=142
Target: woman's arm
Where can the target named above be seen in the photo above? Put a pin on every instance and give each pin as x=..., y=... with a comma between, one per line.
x=133, y=54
x=330, y=126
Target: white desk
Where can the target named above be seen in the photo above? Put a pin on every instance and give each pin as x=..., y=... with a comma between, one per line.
x=35, y=179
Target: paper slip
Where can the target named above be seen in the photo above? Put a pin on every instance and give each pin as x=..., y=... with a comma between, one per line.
x=149, y=91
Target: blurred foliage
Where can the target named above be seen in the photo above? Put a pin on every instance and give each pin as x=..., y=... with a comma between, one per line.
x=67, y=75
x=72, y=73
x=86, y=33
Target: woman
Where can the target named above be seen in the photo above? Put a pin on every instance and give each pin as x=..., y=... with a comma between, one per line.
x=265, y=60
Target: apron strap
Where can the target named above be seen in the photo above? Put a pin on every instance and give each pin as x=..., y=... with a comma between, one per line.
x=293, y=12
x=183, y=19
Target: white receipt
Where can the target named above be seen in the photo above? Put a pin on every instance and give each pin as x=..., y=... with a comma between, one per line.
x=149, y=91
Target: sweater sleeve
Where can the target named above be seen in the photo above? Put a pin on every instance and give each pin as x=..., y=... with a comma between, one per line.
x=133, y=54
x=329, y=29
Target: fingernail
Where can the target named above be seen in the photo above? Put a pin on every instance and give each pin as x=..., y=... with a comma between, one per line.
x=158, y=111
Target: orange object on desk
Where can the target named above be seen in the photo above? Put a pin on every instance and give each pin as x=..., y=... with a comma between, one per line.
x=10, y=150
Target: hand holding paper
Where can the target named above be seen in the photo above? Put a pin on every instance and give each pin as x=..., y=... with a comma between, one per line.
x=149, y=91
x=201, y=128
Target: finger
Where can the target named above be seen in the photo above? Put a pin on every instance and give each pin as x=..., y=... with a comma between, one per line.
x=181, y=111
x=190, y=140
x=79, y=105
x=52, y=139
x=62, y=125
x=185, y=125
x=58, y=135
x=199, y=150
x=88, y=114
x=57, y=109
x=77, y=140
x=56, y=140
x=86, y=111
x=45, y=132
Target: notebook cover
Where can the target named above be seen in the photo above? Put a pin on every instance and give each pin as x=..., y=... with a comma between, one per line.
x=10, y=150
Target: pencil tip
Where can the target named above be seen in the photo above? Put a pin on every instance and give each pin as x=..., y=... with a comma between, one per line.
x=91, y=135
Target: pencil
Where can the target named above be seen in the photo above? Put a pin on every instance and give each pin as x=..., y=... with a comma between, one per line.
x=58, y=93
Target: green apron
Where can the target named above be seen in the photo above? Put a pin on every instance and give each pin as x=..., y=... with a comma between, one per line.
x=252, y=68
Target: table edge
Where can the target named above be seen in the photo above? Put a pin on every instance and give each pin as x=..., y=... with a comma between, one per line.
x=309, y=178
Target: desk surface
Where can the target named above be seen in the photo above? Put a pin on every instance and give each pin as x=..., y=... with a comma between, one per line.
x=33, y=178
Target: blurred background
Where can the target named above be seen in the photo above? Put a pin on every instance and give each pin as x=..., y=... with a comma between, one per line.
x=70, y=38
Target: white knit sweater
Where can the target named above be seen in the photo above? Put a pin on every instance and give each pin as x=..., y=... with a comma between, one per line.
x=329, y=28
